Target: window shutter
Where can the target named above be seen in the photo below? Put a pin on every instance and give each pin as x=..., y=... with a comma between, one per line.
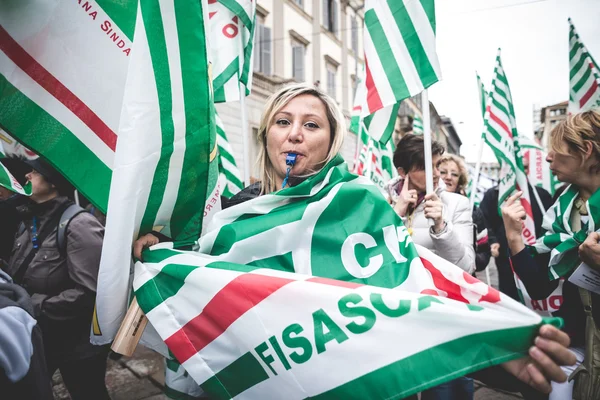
x=325, y=5
x=257, y=47
x=334, y=16
x=266, y=51
x=354, y=35
x=298, y=60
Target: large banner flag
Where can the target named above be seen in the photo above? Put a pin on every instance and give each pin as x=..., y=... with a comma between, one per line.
x=63, y=66
x=323, y=276
x=165, y=164
x=584, y=75
x=231, y=177
x=231, y=38
x=539, y=174
x=500, y=133
x=10, y=148
x=400, y=55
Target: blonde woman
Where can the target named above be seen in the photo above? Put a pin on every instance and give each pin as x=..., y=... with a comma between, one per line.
x=453, y=172
x=574, y=158
x=303, y=121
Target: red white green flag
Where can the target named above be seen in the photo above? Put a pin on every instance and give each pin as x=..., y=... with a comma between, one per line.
x=231, y=36
x=352, y=296
x=165, y=165
x=400, y=55
x=584, y=75
x=500, y=133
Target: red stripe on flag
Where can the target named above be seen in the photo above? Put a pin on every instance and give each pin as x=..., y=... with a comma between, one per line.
x=495, y=118
x=588, y=94
x=333, y=282
x=373, y=100
x=442, y=283
x=229, y=304
x=45, y=79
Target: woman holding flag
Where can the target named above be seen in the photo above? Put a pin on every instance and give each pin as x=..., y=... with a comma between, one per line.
x=574, y=158
x=301, y=133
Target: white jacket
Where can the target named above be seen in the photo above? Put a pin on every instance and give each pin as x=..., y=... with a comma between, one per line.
x=455, y=242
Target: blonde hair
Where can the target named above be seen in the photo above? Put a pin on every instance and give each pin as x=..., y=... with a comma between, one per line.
x=463, y=177
x=576, y=131
x=337, y=126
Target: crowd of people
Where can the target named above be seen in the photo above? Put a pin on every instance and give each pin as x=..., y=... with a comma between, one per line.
x=51, y=252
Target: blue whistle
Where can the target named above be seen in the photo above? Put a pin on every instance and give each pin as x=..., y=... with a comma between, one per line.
x=290, y=160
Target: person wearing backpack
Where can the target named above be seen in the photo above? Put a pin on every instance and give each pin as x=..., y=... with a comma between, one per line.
x=55, y=258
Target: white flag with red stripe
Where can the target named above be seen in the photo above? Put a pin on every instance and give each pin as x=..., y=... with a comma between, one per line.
x=500, y=133
x=323, y=276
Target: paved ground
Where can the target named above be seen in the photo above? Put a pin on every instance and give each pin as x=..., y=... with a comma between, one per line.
x=141, y=377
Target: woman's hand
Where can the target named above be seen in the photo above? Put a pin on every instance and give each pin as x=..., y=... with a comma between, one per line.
x=495, y=249
x=545, y=358
x=513, y=214
x=405, y=198
x=589, y=251
x=434, y=209
x=142, y=243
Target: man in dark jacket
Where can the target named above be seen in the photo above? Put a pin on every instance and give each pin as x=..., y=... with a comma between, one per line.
x=497, y=234
x=61, y=281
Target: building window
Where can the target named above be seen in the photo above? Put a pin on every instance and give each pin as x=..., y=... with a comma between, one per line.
x=298, y=53
x=354, y=35
x=262, y=47
x=331, y=78
x=330, y=15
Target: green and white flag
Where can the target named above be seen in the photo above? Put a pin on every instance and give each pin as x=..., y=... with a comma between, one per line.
x=165, y=170
x=584, y=75
x=231, y=179
x=231, y=36
x=63, y=66
x=483, y=95
x=500, y=133
x=417, y=127
x=8, y=181
x=323, y=276
x=560, y=240
x=400, y=55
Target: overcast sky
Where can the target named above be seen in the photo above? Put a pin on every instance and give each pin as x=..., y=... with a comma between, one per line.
x=533, y=35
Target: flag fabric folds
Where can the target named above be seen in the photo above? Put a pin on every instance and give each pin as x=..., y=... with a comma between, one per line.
x=231, y=178
x=165, y=169
x=307, y=291
x=560, y=239
x=61, y=96
x=400, y=55
x=231, y=38
x=9, y=182
x=500, y=133
x=584, y=75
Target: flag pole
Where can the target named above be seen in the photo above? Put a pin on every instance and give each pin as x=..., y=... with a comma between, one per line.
x=427, y=142
x=475, y=179
x=245, y=142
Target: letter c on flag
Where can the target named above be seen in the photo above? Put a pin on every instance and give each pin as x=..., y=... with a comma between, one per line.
x=349, y=258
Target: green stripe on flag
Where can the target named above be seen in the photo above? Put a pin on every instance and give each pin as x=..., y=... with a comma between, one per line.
x=413, y=42
x=158, y=51
x=123, y=13
x=429, y=7
x=437, y=365
x=164, y=285
x=200, y=121
x=237, y=377
x=583, y=80
x=386, y=55
x=238, y=10
x=226, y=75
x=43, y=134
